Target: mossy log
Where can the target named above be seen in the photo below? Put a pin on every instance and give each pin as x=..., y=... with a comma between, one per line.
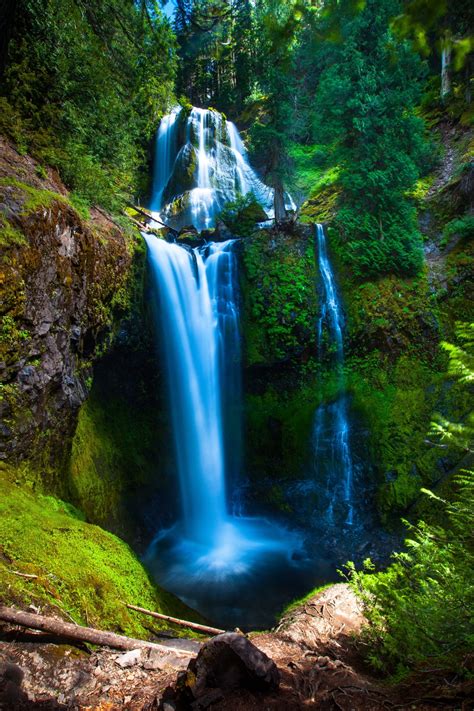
x=152, y=218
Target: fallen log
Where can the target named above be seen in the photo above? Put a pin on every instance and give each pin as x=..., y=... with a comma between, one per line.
x=73, y=632
x=184, y=623
x=142, y=226
x=152, y=218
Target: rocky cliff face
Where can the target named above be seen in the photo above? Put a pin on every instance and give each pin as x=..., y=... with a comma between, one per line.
x=64, y=281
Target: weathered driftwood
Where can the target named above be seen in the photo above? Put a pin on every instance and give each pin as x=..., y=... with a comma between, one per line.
x=69, y=631
x=184, y=623
x=142, y=226
x=28, y=576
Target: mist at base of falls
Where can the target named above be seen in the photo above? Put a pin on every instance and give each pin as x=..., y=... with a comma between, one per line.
x=251, y=572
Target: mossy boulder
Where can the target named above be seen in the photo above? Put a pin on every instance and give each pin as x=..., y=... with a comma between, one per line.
x=183, y=177
x=322, y=204
x=242, y=215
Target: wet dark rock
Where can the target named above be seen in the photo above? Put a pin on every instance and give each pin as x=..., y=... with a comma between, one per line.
x=222, y=232
x=64, y=272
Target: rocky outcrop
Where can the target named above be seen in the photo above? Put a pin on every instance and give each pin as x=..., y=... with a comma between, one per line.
x=64, y=282
x=226, y=664
x=280, y=297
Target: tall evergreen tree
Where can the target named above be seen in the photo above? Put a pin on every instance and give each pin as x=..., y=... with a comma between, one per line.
x=365, y=110
x=277, y=27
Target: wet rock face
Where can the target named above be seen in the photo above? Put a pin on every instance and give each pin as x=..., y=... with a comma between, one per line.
x=60, y=278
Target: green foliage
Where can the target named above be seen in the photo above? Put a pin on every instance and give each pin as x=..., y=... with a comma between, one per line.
x=10, y=333
x=279, y=423
x=82, y=570
x=80, y=204
x=299, y=603
x=280, y=296
x=460, y=227
x=216, y=42
x=396, y=402
x=242, y=214
x=84, y=87
x=109, y=455
x=366, y=97
x=461, y=366
x=278, y=24
x=420, y=609
x=9, y=235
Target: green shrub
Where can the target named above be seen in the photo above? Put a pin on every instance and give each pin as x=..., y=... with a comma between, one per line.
x=419, y=610
x=460, y=227
x=241, y=215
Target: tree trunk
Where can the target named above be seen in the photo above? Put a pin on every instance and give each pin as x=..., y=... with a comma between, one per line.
x=81, y=634
x=279, y=204
x=468, y=75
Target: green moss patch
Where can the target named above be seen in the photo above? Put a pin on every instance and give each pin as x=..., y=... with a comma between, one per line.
x=9, y=235
x=109, y=455
x=32, y=198
x=83, y=571
x=280, y=301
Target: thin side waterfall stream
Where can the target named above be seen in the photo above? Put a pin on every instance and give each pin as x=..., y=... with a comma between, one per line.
x=332, y=424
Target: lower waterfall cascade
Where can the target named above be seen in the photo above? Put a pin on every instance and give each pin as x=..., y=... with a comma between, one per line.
x=210, y=557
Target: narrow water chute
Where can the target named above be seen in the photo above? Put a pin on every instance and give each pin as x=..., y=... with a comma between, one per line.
x=331, y=429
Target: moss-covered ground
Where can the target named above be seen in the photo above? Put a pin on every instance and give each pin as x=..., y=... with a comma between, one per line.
x=84, y=572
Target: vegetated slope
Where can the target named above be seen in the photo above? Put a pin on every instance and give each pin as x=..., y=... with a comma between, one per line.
x=313, y=647
x=68, y=282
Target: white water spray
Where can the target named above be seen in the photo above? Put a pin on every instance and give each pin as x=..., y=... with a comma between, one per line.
x=195, y=179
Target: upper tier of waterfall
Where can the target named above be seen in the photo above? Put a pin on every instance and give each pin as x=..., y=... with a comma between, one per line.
x=200, y=164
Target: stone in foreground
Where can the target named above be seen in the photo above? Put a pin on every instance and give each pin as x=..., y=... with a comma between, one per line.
x=225, y=663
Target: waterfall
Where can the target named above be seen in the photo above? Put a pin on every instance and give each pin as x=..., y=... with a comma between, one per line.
x=166, y=141
x=197, y=312
x=331, y=430
x=210, y=557
x=201, y=164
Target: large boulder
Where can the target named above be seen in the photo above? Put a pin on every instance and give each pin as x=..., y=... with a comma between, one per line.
x=224, y=664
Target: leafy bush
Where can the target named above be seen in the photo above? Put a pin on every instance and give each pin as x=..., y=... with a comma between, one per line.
x=242, y=214
x=420, y=609
x=461, y=227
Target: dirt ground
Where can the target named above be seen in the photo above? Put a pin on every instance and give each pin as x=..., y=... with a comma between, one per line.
x=313, y=647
